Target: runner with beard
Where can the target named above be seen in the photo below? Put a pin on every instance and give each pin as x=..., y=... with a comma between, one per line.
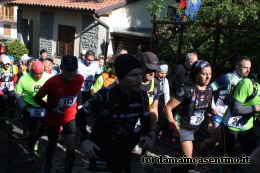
x=109, y=146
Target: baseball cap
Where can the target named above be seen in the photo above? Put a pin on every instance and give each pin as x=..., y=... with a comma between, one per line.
x=6, y=60
x=11, y=57
x=150, y=61
x=69, y=62
x=25, y=57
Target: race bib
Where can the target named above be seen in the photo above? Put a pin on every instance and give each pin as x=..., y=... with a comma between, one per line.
x=37, y=112
x=7, y=86
x=236, y=122
x=197, y=118
x=67, y=100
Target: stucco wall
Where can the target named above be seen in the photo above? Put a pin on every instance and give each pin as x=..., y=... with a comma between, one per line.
x=61, y=17
x=12, y=24
x=134, y=15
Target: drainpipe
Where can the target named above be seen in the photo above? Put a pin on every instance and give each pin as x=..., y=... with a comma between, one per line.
x=107, y=33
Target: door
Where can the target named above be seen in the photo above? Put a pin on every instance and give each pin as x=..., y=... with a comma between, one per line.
x=66, y=36
x=7, y=30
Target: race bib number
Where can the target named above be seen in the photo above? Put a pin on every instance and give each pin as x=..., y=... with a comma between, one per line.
x=197, y=118
x=67, y=101
x=236, y=122
x=37, y=112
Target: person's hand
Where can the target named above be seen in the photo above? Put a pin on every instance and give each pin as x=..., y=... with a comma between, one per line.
x=89, y=148
x=257, y=108
x=147, y=142
x=79, y=107
x=216, y=111
x=211, y=127
x=59, y=110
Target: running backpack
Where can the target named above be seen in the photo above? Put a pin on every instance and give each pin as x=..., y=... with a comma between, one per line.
x=193, y=99
x=229, y=98
x=2, y=75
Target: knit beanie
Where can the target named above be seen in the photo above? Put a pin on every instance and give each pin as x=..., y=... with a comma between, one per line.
x=124, y=63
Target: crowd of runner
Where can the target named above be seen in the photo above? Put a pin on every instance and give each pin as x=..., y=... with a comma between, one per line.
x=135, y=104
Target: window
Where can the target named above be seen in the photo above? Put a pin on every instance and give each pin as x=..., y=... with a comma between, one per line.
x=66, y=35
x=7, y=12
x=7, y=30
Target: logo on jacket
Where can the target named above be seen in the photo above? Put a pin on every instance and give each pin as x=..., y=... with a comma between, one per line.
x=134, y=105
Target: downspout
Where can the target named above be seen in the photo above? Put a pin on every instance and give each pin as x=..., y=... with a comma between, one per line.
x=107, y=33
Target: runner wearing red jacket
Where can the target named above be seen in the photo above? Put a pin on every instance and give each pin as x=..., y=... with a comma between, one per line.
x=62, y=93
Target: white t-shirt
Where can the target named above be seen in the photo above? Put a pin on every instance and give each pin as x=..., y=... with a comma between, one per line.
x=88, y=72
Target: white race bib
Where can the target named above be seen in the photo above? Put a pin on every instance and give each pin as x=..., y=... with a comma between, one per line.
x=37, y=112
x=197, y=118
x=234, y=122
x=67, y=100
x=7, y=86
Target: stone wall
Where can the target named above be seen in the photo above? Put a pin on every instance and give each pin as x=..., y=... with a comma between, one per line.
x=89, y=34
x=46, y=31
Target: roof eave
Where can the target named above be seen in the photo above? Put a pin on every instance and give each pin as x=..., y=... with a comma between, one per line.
x=47, y=6
x=108, y=9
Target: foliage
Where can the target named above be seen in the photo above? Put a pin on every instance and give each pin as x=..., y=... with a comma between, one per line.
x=16, y=49
x=239, y=35
x=156, y=7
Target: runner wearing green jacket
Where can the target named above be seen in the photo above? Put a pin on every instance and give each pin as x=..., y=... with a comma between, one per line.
x=239, y=121
x=26, y=89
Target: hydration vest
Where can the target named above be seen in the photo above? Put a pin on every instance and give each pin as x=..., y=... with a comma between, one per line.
x=229, y=98
x=151, y=93
x=189, y=106
x=7, y=79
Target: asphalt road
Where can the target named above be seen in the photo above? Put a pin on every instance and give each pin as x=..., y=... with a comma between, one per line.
x=16, y=156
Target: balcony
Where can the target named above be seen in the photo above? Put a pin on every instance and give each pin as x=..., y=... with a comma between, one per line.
x=8, y=19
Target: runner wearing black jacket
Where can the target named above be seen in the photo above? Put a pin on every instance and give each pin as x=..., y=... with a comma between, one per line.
x=117, y=110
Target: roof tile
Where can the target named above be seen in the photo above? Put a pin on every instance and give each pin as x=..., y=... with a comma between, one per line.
x=92, y=5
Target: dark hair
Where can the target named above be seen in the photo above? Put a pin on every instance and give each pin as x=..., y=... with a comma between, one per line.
x=31, y=60
x=196, y=68
x=239, y=59
x=161, y=62
x=90, y=53
x=43, y=51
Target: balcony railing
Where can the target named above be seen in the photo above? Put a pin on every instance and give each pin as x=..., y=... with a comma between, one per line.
x=9, y=18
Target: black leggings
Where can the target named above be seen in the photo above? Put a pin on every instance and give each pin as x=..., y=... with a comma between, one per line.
x=245, y=138
x=10, y=104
